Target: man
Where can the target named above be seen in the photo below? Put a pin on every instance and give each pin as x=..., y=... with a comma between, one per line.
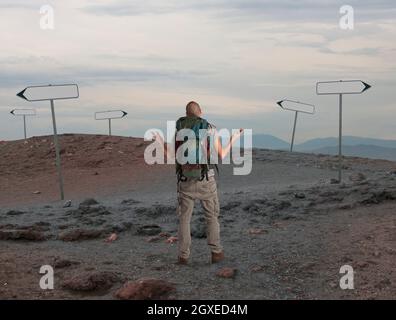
x=196, y=181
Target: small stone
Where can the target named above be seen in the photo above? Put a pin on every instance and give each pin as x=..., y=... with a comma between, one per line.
x=14, y=213
x=91, y=281
x=362, y=264
x=67, y=204
x=29, y=235
x=129, y=202
x=256, y=231
x=171, y=240
x=64, y=263
x=113, y=237
x=299, y=195
x=80, y=234
x=88, y=202
x=228, y=273
x=164, y=235
x=357, y=177
x=36, y=192
x=153, y=239
x=149, y=230
x=146, y=289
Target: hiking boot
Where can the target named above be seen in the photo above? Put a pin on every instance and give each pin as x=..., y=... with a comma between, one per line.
x=182, y=261
x=217, y=257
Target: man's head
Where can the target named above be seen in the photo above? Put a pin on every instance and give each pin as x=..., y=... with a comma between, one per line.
x=193, y=109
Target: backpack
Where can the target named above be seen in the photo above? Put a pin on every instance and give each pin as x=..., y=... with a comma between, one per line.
x=198, y=167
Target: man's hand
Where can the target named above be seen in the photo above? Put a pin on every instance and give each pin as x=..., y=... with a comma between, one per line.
x=157, y=137
x=167, y=147
x=238, y=134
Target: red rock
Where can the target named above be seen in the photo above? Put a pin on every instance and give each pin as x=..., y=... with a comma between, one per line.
x=146, y=289
x=164, y=235
x=256, y=231
x=91, y=281
x=228, y=273
x=171, y=240
x=112, y=237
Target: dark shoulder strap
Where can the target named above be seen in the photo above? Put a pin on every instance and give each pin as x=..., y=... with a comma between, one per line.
x=179, y=123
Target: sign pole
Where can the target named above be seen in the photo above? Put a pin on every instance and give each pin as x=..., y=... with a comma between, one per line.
x=340, y=88
x=24, y=125
x=297, y=107
x=52, y=93
x=340, y=141
x=58, y=159
x=110, y=115
x=294, y=131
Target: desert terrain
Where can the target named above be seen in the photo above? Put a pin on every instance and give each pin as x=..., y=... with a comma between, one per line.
x=286, y=228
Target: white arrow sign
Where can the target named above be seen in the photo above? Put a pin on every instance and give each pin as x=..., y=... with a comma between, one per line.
x=23, y=112
x=112, y=114
x=297, y=107
x=341, y=87
x=50, y=92
x=109, y=115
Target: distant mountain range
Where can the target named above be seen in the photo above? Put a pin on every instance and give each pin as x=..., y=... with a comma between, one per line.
x=352, y=146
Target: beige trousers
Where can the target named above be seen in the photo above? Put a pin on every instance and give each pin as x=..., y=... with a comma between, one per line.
x=205, y=191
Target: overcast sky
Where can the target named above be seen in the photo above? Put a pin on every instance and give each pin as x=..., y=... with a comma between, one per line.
x=235, y=57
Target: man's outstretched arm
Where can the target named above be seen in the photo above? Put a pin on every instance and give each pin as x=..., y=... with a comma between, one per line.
x=167, y=147
x=223, y=152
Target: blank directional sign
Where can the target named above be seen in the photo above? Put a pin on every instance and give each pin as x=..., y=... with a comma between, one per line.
x=341, y=87
x=112, y=114
x=23, y=112
x=297, y=106
x=50, y=92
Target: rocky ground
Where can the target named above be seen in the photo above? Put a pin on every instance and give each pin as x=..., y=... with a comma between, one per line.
x=286, y=228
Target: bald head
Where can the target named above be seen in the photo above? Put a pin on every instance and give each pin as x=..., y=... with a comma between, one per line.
x=193, y=109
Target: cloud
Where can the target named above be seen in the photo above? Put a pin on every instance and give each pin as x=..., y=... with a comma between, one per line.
x=40, y=70
x=280, y=10
x=237, y=57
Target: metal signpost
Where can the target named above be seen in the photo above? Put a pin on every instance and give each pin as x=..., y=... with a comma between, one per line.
x=24, y=113
x=340, y=88
x=297, y=107
x=109, y=115
x=51, y=93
